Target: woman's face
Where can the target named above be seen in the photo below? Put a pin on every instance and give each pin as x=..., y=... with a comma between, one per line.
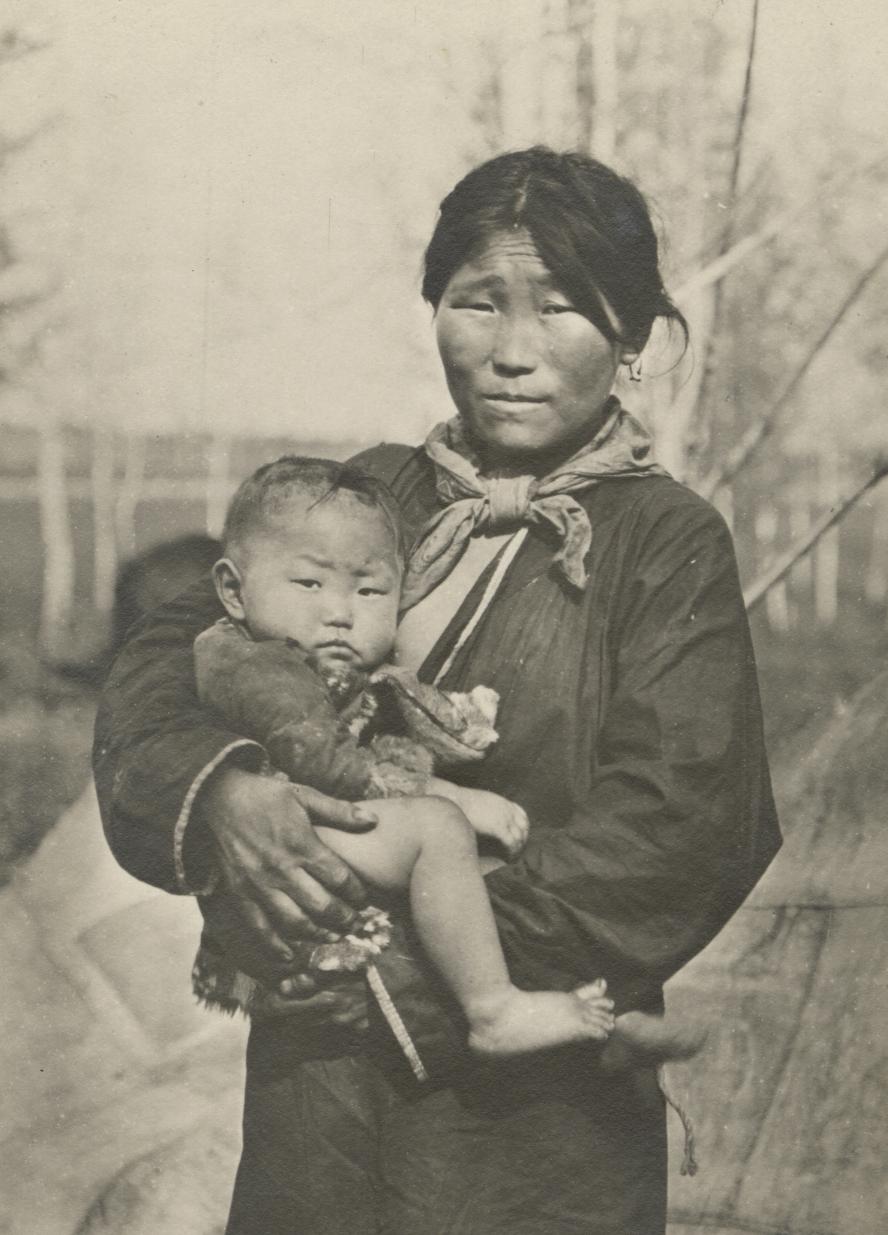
x=528, y=373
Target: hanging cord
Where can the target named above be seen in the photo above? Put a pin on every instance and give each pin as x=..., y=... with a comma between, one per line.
x=689, y=1163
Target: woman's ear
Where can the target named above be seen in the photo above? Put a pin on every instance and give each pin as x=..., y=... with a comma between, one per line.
x=229, y=588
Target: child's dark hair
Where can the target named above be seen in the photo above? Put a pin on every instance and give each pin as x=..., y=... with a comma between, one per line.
x=590, y=226
x=262, y=495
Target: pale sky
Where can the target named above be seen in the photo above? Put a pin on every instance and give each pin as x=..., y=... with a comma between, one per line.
x=236, y=196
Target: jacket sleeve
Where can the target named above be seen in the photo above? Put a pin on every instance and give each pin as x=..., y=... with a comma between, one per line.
x=266, y=691
x=678, y=823
x=155, y=746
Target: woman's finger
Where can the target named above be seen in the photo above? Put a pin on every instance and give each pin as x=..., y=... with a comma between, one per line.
x=326, y=912
x=299, y=986
x=334, y=813
x=310, y=1009
x=292, y=922
x=318, y=873
x=346, y=1007
x=247, y=936
x=258, y=922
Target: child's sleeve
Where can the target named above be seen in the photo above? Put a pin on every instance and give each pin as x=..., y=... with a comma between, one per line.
x=266, y=691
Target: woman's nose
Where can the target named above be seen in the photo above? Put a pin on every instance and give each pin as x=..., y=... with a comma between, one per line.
x=516, y=346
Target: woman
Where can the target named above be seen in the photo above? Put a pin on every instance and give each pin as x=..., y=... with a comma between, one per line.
x=555, y=563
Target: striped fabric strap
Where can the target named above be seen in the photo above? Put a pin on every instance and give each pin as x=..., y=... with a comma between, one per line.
x=397, y=1026
x=506, y=559
x=374, y=978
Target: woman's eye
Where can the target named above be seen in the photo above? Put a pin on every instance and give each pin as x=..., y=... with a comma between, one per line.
x=553, y=308
x=310, y=584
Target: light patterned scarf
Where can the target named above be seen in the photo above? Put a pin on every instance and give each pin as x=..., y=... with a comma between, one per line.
x=475, y=503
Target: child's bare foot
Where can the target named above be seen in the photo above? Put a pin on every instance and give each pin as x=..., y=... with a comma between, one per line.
x=640, y=1039
x=523, y=1021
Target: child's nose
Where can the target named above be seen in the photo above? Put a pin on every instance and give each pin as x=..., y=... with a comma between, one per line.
x=339, y=611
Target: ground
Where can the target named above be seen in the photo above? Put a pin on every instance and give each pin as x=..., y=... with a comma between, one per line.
x=122, y=1096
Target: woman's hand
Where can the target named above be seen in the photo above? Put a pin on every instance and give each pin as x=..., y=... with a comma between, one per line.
x=251, y=945
x=343, y=1003
x=286, y=885
x=488, y=813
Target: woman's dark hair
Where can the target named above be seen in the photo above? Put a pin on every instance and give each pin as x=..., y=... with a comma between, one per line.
x=591, y=227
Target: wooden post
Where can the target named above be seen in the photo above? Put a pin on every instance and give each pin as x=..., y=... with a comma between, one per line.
x=826, y=554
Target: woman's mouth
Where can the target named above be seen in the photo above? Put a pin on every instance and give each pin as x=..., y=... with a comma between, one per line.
x=514, y=404
x=504, y=396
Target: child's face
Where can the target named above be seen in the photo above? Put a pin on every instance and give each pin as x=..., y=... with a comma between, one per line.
x=327, y=576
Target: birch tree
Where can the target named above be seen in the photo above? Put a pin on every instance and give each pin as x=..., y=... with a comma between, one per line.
x=25, y=295
x=770, y=254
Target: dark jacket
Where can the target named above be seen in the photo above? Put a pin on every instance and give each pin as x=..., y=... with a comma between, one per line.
x=630, y=731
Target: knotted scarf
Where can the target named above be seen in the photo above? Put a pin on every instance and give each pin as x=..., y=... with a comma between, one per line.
x=473, y=503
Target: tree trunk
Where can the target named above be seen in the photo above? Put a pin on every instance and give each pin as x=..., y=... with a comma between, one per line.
x=799, y=521
x=876, y=582
x=218, y=483
x=104, y=540
x=58, y=545
x=767, y=525
x=128, y=495
x=604, y=81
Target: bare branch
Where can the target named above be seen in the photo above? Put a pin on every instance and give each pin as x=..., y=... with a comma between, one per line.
x=720, y=266
x=756, y=433
x=759, y=589
x=723, y=265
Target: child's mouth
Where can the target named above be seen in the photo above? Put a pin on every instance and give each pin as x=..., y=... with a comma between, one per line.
x=337, y=649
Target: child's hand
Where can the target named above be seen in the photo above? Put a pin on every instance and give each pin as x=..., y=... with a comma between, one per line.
x=488, y=813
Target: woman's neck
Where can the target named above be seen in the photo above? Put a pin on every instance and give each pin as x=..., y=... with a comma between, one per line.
x=495, y=465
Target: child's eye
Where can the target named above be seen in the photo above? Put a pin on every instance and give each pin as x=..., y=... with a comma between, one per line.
x=372, y=591
x=310, y=584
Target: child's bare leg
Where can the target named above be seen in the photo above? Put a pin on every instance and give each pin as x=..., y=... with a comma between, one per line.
x=427, y=846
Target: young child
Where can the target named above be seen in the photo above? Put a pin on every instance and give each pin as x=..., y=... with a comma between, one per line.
x=310, y=579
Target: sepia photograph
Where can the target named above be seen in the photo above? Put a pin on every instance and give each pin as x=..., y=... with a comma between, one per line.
x=444, y=633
